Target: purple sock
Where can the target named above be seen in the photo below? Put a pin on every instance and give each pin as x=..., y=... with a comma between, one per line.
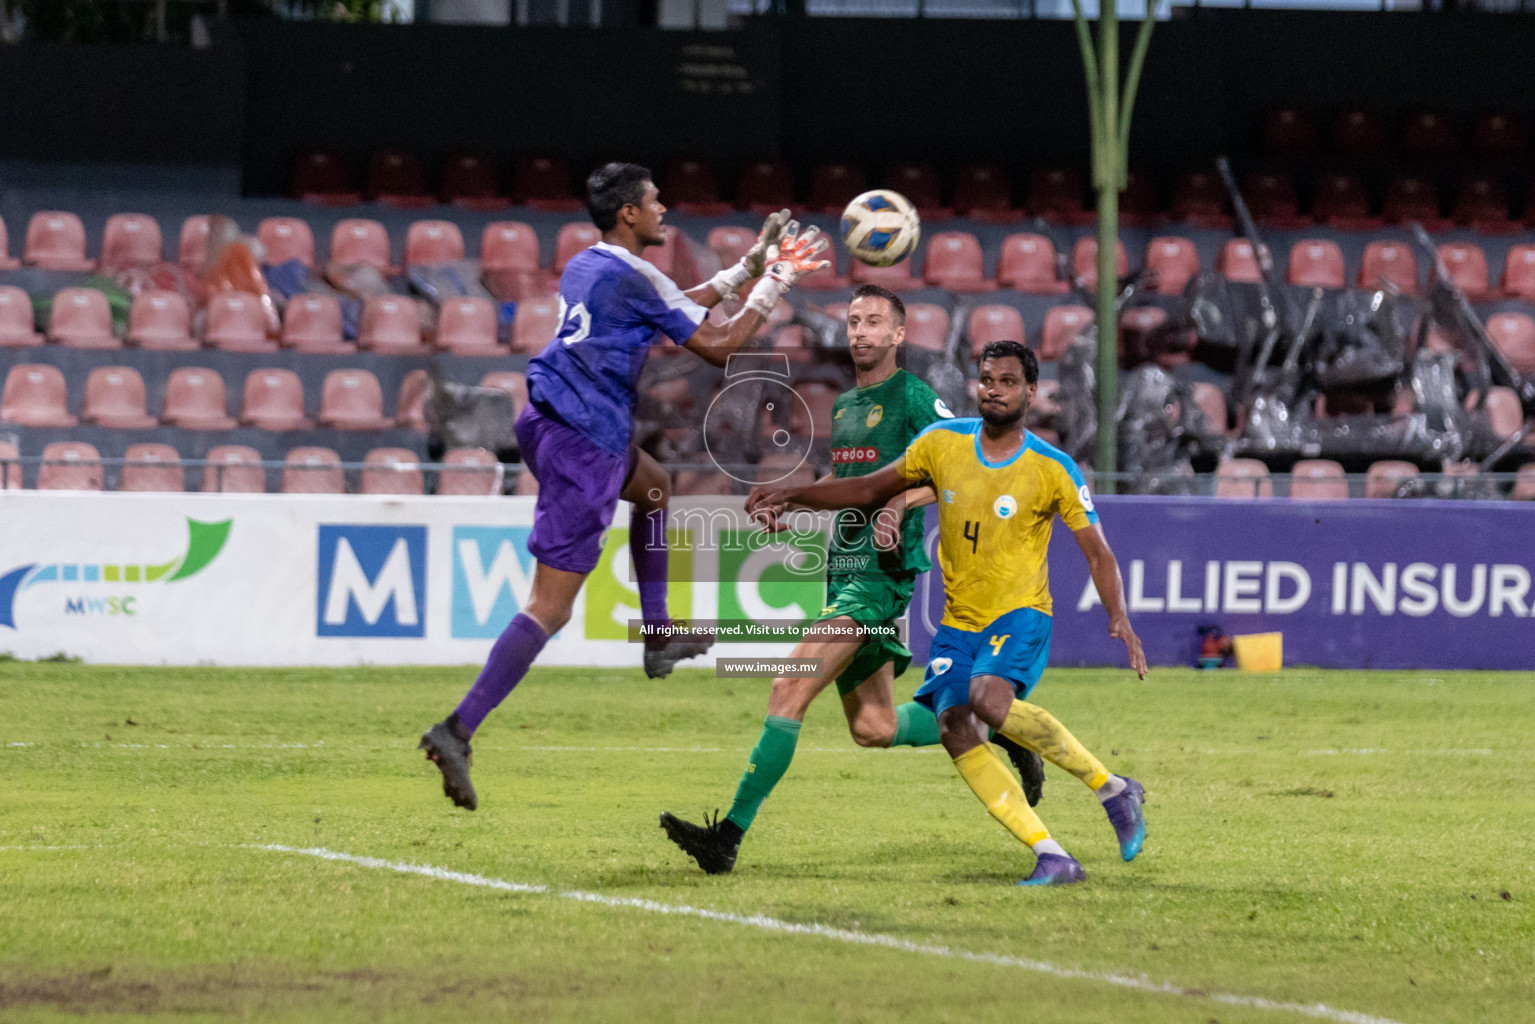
x=647, y=546
x=509, y=659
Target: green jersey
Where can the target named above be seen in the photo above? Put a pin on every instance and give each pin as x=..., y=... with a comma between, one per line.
x=871, y=427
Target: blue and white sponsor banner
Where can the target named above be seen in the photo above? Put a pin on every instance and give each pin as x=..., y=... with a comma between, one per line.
x=1350, y=584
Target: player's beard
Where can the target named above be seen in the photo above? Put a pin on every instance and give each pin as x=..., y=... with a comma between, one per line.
x=1002, y=420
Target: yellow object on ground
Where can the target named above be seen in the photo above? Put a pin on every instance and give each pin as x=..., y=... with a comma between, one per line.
x=1259, y=652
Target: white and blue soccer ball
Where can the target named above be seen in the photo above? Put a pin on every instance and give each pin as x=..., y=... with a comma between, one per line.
x=881, y=228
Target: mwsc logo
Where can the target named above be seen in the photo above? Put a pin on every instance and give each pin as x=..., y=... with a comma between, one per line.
x=372, y=581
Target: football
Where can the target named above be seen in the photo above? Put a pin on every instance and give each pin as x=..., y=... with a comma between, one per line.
x=881, y=228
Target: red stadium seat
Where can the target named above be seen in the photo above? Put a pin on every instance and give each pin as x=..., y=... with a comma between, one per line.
x=764, y=186
x=35, y=396
x=1199, y=199
x=274, y=400
x=323, y=177
x=1272, y=201
x=1237, y=262
x=1084, y=261
x=574, y=237
x=993, y=323
x=542, y=181
x=1504, y=412
x=477, y=472
x=56, y=241
x=1289, y=131
x=1316, y=262
x=691, y=185
x=1519, y=272
x=1412, y=197
x=1138, y=202
x=287, y=239
x=410, y=405
x=1318, y=480
x=467, y=327
x=792, y=336
x=391, y=471
x=237, y=323
x=1467, y=264
x=313, y=470
x=391, y=324
x=510, y=381
x=70, y=466
x=1383, y=478
x=396, y=178
x=1524, y=483
x=194, y=399
x=80, y=319
x=1498, y=135
x=114, y=397
x=509, y=245
x=361, y=241
x=1358, y=131
x=1242, y=478
x=984, y=192
x=954, y=261
x=234, y=469
x=730, y=242
x=897, y=278
x=1172, y=261
x=192, y=245
x=927, y=326
x=352, y=400
x=152, y=467
x=1027, y=263
x=468, y=181
x=312, y=323
x=919, y=183
x=16, y=327
x=1481, y=203
x=833, y=186
x=527, y=483
x=7, y=261
x=10, y=468
x=131, y=239
x=1062, y=324
x=1428, y=134
x=1212, y=402
x=1136, y=325
x=1057, y=193
x=433, y=241
x=536, y=323
x=1342, y=202
x=664, y=256
x=1389, y=262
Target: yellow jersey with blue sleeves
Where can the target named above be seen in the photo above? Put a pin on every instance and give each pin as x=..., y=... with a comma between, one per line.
x=994, y=518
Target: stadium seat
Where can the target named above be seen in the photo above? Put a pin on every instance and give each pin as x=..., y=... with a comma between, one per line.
x=919, y=183
x=1199, y=199
x=527, y=483
x=983, y=191
x=114, y=397
x=509, y=245
x=391, y=324
x=7, y=261
x=1272, y=201
x=993, y=323
x=897, y=278
x=1383, y=478
x=927, y=326
x=833, y=186
x=358, y=240
x=1237, y=262
x=469, y=181
x=312, y=323
x=1171, y=261
x=1289, y=131
x=1318, y=480
x=70, y=466
x=234, y=469
x=35, y=396
x=1138, y=202
x=391, y=471
x=286, y=239
x=237, y=323
x=1212, y=402
x=1428, y=134
x=1084, y=261
x=664, y=256
x=730, y=242
x=1342, y=202
x=510, y=381
x=131, y=239
x=1057, y=193
x=161, y=321
x=467, y=327
x=1137, y=325
x=536, y=323
x=80, y=318
x=1504, y=413
x=152, y=467
x=1389, y=262
x=1467, y=264
x=542, y=181
x=395, y=178
x=192, y=244
x=954, y=261
x=763, y=186
x=1498, y=135
x=477, y=472
x=1519, y=272
x=1316, y=262
x=410, y=405
x=819, y=397
x=352, y=400
x=1524, y=483
x=1356, y=131
x=16, y=327
x=1481, y=203
x=323, y=177
x=313, y=470
x=1062, y=324
x=433, y=241
x=691, y=185
x=1412, y=197
x=274, y=400
x=1514, y=334
x=194, y=399
x=1027, y=263
x=10, y=469
x=56, y=241
x=573, y=238
x=1242, y=478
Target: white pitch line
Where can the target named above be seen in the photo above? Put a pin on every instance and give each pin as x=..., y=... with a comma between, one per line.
x=1318, y=1011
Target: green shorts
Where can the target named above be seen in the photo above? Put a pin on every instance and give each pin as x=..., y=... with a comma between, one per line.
x=870, y=600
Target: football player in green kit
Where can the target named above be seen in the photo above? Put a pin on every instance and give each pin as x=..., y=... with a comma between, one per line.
x=867, y=591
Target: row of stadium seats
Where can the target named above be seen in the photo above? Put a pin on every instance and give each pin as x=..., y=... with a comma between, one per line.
x=1324, y=479
x=1357, y=131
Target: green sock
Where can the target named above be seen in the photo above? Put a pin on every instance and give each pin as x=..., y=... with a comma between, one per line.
x=915, y=726
x=770, y=759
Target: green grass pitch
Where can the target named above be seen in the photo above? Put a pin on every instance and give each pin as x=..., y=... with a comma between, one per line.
x=1327, y=841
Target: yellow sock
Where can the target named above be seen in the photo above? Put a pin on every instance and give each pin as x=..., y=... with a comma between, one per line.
x=1040, y=731
x=984, y=772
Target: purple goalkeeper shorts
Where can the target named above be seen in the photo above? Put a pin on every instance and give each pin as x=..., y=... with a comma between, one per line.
x=578, y=488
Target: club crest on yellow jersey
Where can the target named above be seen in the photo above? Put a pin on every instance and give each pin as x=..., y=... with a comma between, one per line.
x=1005, y=506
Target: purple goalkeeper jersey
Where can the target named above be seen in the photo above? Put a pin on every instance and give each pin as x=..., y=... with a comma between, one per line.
x=613, y=307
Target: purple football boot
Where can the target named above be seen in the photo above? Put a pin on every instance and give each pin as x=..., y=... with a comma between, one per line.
x=1053, y=869
x=1126, y=816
